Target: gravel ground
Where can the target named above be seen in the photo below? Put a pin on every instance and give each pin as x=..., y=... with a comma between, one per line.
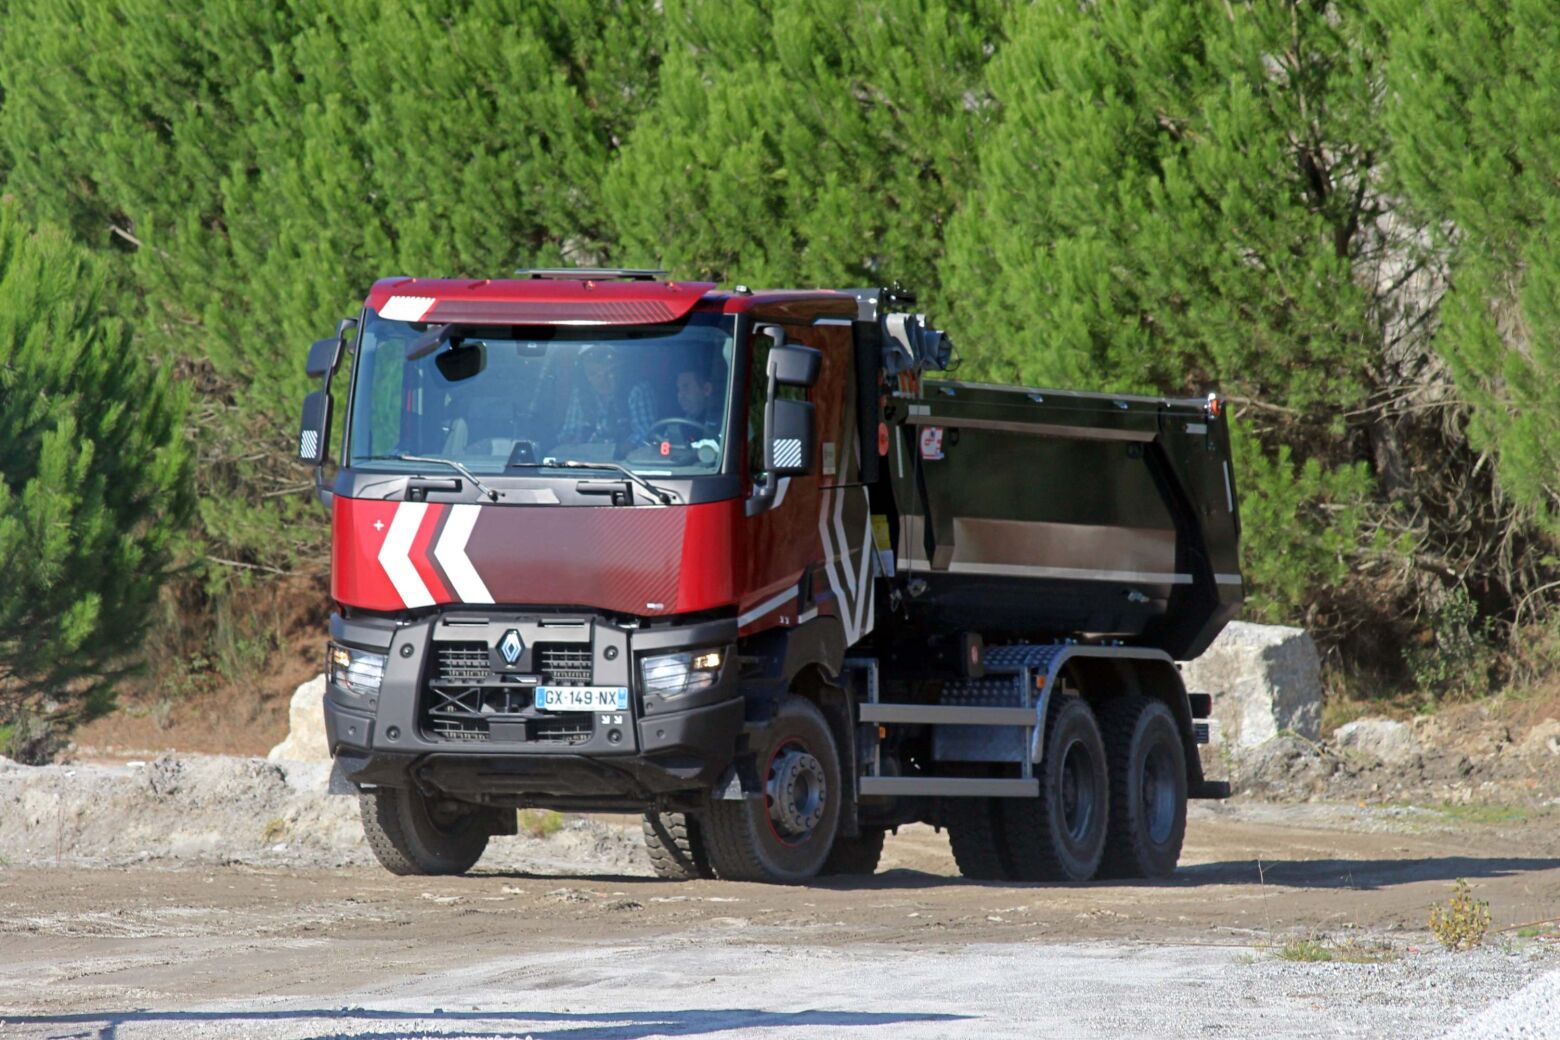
x=201, y=896
x=688, y=986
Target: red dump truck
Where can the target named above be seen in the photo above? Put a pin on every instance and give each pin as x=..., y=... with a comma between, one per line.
x=741, y=561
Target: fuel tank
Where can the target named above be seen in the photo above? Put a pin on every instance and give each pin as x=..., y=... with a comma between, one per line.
x=1045, y=514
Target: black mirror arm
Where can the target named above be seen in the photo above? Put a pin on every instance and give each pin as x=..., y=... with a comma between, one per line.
x=322, y=494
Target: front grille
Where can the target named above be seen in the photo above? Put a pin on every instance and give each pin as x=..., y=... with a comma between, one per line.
x=464, y=701
x=565, y=664
x=466, y=730
x=571, y=728
x=458, y=663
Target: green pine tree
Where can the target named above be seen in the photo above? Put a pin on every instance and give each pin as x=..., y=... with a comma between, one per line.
x=1170, y=203
x=94, y=478
x=1474, y=115
x=806, y=142
x=253, y=168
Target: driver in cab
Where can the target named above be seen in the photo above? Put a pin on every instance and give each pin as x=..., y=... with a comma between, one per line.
x=698, y=421
x=599, y=411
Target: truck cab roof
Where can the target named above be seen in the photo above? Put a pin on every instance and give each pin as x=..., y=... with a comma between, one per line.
x=585, y=301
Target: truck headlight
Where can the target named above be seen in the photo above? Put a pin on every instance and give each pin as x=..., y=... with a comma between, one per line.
x=357, y=671
x=672, y=675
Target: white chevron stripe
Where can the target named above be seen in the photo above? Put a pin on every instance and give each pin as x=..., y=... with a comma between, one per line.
x=395, y=555
x=406, y=308
x=841, y=543
x=864, y=581
x=830, y=566
x=451, y=554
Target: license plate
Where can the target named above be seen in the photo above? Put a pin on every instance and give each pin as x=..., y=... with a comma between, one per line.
x=582, y=698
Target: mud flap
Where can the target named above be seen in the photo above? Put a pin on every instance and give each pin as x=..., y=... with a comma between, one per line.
x=339, y=784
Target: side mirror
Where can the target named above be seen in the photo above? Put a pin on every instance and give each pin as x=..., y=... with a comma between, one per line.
x=794, y=366
x=324, y=355
x=792, y=437
x=314, y=430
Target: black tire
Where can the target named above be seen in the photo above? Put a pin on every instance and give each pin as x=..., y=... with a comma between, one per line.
x=1060, y=836
x=675, y=844
x=976, y=835
x=786, y=834
x=1148, y=789
x=410, y=833
x=858, y=855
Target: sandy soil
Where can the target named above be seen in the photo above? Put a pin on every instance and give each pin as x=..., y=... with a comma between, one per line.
x=590, y=948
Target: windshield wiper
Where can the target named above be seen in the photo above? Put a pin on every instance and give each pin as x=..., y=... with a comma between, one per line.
x=451, y=463
x=660, y=494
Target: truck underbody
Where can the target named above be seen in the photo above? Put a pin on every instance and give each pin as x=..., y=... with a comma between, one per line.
x=962, y=606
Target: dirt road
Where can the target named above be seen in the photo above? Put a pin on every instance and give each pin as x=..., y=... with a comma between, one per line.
x=591, y=954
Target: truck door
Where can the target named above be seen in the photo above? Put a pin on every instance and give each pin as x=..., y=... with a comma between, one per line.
x=807, y=554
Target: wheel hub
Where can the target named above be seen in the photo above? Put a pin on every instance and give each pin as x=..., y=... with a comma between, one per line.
x=1078, y=793
x=797, y=792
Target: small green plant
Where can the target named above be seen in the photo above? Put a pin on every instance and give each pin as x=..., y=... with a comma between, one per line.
x=540, y=823
x=1304, y=950
x=1350, y=951
x=1462, y=922
x=274, y=831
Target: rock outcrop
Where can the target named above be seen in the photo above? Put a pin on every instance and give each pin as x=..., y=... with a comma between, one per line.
x=1265, y=680
x=305, y=726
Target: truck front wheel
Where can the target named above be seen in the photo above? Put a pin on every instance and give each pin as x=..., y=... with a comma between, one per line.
x=675, y=844
x=786, y=833
x=411, y=833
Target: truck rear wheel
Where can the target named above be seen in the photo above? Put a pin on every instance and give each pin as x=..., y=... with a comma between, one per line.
x=411, y=833
x=1148, y=789
x=1060, y=836
x=676, y=846
x=858, y=855
x=975, y=834
x=784, y=835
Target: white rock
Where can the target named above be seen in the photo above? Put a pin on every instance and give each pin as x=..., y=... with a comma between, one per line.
x=305, y=726
x=1264, y=679
x=1385, y=740
x=1544, y=737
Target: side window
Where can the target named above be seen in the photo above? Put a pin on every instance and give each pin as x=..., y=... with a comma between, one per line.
x=758, y=395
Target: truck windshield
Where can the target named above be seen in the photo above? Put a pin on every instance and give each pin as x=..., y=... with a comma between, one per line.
x=510, y=398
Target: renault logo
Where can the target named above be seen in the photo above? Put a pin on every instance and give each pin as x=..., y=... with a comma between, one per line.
x=511, y=646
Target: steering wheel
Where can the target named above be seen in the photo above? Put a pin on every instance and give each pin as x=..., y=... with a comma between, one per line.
x=699, y=430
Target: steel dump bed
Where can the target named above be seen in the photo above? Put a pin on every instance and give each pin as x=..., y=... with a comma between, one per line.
x=1042, y=512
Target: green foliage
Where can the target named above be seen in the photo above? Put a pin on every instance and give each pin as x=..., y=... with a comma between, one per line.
x=94, y=474
x=1459, y=651
x=811, y=142
x=1145, y=195
x=262, y=165
x=1474, y=115
x=1302, y=526
x=1167, y=205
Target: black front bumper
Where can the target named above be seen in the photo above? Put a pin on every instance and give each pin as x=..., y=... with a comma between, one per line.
x=604, y=760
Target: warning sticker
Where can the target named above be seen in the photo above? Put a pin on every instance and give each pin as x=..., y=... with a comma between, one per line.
x=931, y=442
